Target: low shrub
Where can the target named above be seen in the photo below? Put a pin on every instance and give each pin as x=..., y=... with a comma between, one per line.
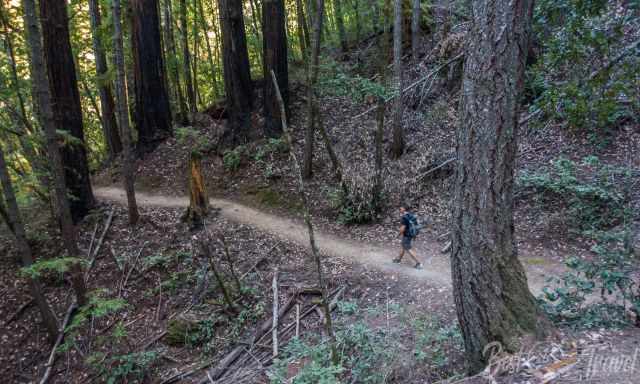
x=594, y=203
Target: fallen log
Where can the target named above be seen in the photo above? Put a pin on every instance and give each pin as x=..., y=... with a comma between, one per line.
x=52, y=355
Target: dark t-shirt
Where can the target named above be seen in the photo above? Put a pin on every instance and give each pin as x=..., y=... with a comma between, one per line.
x=404, y=220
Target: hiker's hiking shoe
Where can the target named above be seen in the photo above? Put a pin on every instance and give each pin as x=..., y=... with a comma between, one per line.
x=418, y=266
x=397, y=261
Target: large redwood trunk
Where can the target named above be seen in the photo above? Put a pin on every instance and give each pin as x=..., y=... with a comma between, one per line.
x=275, y=58
x=107, y=115
x=491, y=294
x=152, y=114
x=237, y=76
x=65, y=101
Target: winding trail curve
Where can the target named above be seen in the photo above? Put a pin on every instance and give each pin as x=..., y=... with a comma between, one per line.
x=436, y=268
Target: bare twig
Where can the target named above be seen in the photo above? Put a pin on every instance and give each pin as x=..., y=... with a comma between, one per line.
x=131, y=268
x=52, y=355
x=274, y=332
x=99, y=244
x=259, y=261
x=297, y=320
x=415, y=84
x=93, y=237
x=307, y=219
x=421, y=177
x=17, y=313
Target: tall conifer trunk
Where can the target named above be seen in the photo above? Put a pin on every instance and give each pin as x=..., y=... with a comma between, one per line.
x=491, y=294
x=46, y=117
x=237, y=76
x=107, y=113
x=275, y=58
x=65, y=99
x=152, y=114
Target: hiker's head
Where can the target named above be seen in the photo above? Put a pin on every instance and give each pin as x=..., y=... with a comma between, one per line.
x=403, y=208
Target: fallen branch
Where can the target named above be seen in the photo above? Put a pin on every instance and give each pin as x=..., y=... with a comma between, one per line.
x=52, y=355
x=131, y=268
x=415, y=84
x=260, y=260
x=17, y=313
x=93, y=238
x=99, y=244
x=263, y=330
x=629, y=49
x=421, y=177
x=443, y=236
x=447, y=247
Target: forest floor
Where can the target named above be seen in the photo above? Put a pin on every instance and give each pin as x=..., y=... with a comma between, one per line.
x=158, y=269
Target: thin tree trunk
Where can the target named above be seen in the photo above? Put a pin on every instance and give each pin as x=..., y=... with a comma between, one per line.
x=255, y=16
x=342, y=35
x=237, y=75
x=275, y=59
x=301, y=25
x=26, y=255
x=490, y=288
x=381, y=107
x=307, y=218
x=43, y=98
x=186, y=57
x=205, y=30
x=65, y=99
x=14, y=70
x=397, y=147
x=356, y=11
x=415, y=29
x=107, y=116
x=24, y=136
x=123, y=115
x=152, y=109
x=196, y=54
x=314, y=62
x=171, y=54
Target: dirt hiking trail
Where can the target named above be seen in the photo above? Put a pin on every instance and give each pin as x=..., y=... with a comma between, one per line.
x=436, y=269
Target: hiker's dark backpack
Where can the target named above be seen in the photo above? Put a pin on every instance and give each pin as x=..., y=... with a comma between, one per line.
x=414, y=225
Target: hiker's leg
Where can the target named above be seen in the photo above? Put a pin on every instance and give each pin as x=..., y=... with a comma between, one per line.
x=400, y=256
x=413, y=255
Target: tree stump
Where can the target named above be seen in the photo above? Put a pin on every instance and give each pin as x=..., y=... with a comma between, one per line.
x=198, y=197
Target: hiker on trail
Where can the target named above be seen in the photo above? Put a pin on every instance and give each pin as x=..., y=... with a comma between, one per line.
x=409, y=229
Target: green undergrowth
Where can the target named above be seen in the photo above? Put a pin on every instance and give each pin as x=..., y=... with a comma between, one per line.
x=372, y=350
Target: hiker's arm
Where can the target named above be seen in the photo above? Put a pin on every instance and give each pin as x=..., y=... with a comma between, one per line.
x=402, y=228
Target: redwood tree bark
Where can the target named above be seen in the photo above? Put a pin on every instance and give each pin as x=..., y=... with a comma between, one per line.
x=491, y=294
x=152, y=114
x=65, y=101
x=237, y=76
x=107, y=115
x=46, y=118
x=275, y=58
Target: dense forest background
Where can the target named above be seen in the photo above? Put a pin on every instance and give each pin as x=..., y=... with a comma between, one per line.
x=208, y=190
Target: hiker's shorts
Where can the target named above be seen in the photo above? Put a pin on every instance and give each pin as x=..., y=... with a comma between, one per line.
x=406, y=243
